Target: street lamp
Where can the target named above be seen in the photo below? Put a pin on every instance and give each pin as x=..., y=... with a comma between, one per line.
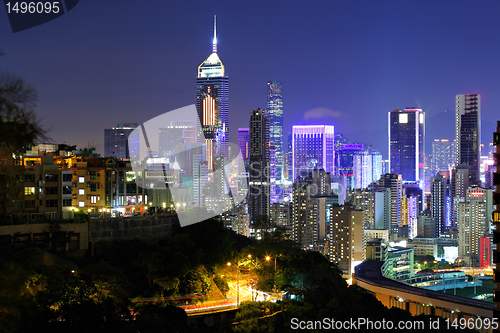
x=269, y=258
x=237, y=282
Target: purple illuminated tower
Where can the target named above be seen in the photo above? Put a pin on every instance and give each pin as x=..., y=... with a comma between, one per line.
x=312, y=148
x=406, y=143
x=244, y=141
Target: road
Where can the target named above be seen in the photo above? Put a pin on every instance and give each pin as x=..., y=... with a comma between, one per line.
x=246, y=294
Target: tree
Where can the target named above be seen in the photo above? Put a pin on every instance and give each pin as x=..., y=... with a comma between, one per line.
x=19, y=126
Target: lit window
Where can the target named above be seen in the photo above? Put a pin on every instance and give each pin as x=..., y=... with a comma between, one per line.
x=403, y=118
x=29, y=190
x=81, y=179
x=81, y=204
x=81, y=191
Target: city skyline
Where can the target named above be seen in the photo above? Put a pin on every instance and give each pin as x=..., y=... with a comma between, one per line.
x=139, y=63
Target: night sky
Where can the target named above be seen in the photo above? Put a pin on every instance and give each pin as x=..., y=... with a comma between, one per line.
x=345, y=63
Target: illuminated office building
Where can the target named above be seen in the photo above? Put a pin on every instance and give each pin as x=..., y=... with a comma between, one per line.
x=212, y=103
x=244, y=142
x=345, y=162
x=367, y=168
x=442, y=155
x=312, y=148
x=116, y=140
x=468, y=134
x=275, y=115
x=406, y=143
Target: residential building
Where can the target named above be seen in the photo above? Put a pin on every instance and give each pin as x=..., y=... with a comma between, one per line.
x=346, y=238
x=440, y=203
x=259, y=182
x=473, y=222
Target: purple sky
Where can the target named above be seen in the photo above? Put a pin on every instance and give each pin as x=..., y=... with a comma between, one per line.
x=106, y=62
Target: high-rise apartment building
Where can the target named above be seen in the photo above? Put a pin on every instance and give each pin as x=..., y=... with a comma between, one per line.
x=312, y=148
x=212, y=103
x=259, y=182
x=346, y=237
x=275, y=115
x=389, y=202
x=468, y=133
x=473, y=222
x=116, y=140
x=364, y=200
x=440, y=200
x=496, y=218
x=305, y=213
x=407, y=143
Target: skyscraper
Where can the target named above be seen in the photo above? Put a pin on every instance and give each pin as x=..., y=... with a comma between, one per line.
x=212, y=103
x=473, y=222
x=312, y=148
x=345, y=162
x=366, y=168
x=275, y=115
x=346, y=237
x=439, y=198
x=442, y=155
x=468, y=133
x=406, y=143
x=391, y=185
x=116, y=140
x=259, y=184
x=244, y=142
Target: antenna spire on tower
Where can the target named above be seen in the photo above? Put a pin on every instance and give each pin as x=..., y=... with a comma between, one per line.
x=214, y=45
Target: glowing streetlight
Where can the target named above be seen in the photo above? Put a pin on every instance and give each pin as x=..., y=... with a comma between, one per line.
x=267, y=259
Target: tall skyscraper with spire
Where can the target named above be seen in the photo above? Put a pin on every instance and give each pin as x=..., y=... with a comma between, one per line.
x=275, y=115
x=212, y=103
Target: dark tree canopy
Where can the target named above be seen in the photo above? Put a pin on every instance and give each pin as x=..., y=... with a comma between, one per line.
x=19, y=126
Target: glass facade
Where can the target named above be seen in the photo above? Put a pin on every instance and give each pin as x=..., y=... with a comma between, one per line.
x=406, y=143
x=116, y=140
x=312, y=148
x=212, y=103
x=468, y=133
x=244, y=142
x=275, y=115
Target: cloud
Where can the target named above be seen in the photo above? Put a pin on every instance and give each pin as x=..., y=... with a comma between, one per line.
x=321, y=112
